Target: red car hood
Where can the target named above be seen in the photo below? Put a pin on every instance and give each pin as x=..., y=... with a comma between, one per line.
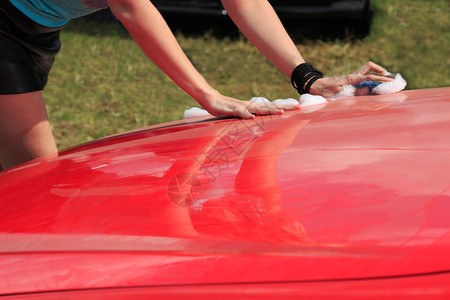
x=359, y=188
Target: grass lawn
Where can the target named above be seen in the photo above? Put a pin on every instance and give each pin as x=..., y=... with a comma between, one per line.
x=102, y=84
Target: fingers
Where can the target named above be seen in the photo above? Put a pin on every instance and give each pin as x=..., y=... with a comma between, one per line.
x=247, y=110
x=245, y=114
x=371, y=67
x=376, y=78
x=355, y=79
x=271, y=108
x=263, y=109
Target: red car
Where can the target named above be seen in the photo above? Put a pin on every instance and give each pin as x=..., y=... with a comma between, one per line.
x=346, y=201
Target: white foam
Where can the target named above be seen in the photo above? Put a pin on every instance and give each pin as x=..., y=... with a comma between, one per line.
x=308, y=100
x=288, y=101
x=260, y=100
x=347, y=91
x=195, y=112
x=390, y=87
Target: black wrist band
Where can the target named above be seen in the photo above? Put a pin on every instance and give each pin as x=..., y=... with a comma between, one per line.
x=303, y=76
x=310, y=83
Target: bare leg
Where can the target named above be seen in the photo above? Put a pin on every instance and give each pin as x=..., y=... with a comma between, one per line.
x=25, y=131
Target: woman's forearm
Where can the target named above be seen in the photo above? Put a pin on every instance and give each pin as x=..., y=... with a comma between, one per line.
x=154, y=37
x=260, y=24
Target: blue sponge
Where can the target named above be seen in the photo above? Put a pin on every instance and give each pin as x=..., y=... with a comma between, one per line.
x=368, y=84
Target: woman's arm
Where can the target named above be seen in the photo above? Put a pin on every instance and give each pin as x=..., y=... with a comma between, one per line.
x=260, y=24
x=154, y=37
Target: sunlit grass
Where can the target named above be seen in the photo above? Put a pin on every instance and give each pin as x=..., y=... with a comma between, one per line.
x=102, y=84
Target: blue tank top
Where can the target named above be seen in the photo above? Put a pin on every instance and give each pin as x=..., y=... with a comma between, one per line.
x=55, y=13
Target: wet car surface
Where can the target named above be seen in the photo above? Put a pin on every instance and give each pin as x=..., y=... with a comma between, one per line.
x=349, y=199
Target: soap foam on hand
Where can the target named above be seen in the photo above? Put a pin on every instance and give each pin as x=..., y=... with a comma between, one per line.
x=372, y=88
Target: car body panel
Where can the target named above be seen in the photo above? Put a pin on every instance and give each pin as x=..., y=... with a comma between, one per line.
x=353, y=190
x=430, y=287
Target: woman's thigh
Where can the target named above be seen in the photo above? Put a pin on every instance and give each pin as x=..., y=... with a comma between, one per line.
x=25, y=131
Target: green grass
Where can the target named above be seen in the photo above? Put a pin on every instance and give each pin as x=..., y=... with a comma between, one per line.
x=102, y=84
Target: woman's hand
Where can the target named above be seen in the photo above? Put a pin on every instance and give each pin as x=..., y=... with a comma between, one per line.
x=223, y=106
x=330, y=86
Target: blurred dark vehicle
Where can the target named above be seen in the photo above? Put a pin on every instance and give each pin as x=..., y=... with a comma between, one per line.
x=285, y=8
x=319, y=18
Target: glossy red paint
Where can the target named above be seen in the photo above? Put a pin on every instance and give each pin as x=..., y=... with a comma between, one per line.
x=428, y=287
x=353, y=196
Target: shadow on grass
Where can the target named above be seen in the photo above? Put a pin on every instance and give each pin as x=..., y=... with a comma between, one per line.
x=311, y=28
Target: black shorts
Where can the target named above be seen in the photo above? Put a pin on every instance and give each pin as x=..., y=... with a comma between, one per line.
x=27, y=51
